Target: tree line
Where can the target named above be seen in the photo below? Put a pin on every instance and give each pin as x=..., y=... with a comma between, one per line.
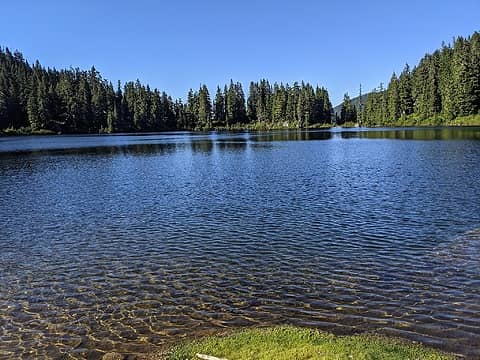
x=36, y=98
x=443, y=86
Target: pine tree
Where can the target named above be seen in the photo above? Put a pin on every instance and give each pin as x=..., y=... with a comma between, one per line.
x=119, y=124
x=128, y=105
x=360, y=106
x=279, y=103
x=3, y=99
x=219, y=108
x=32, y=109
x=425, y=86
x=192, y=109
x=240, y=111
x=111, y=120
x=168, y=112
x=393, y=96
x=180, y=114
x=252, y=102
x=405, y=92
x=474, y=78
x=230, y=103
x=204, y=109
x=327, y=106
x=446, y=85
x=348, y=113
x=443, y=86
x=235, y=104
x=81, y=107
x=461, y=73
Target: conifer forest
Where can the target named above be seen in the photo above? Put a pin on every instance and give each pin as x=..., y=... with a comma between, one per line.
x=442, y=87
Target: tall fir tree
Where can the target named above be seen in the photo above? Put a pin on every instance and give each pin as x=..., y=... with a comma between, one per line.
x=219, y=108
x=348, y=112
x=393, y=96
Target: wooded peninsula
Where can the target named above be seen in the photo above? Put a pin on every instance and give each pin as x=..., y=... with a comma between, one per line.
x=443, y=89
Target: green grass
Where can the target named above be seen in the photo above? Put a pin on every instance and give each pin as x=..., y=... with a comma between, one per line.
x=291, y=343
x=471, y=120
x=25, y=131
x=257, y=126
x=437, y=120
x=349, y=124
x=320, y=126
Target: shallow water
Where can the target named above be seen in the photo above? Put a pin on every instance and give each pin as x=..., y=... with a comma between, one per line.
x=129, y=243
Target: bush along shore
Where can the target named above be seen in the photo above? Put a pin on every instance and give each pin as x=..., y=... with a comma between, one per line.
x=292, y=343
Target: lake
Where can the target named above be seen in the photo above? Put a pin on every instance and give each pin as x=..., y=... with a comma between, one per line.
x=131, y=243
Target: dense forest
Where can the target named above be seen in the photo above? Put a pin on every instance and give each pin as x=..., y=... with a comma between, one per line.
x=442, y=89
x=34, y=99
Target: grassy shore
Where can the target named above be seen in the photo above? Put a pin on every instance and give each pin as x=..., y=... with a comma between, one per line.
x=472, y=120
x=259, y=126
x=25, y=131
x=438, y=120
x=291, y=343
x=411, y=121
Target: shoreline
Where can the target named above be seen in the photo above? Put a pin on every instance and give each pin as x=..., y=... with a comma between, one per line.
x=44, y=132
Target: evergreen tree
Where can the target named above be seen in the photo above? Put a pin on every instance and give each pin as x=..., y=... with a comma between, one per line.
x=443, y=86
x=169, y=119
x=348, y=113
x=425, y=89
x=474, y=78
x=192, y=109
x=235, y=104
x=360, y=106
x=140, y=107
x=204, y=109
x=393, y=96
x=252, y=102
x=112, y=111
x=327, y=108
x=219, y=108
x=279, y=105
x=405, y=92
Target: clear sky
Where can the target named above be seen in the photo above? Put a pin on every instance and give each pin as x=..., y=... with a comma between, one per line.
x=175, y=45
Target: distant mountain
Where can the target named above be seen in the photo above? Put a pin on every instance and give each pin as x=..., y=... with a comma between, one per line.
x=355, y=102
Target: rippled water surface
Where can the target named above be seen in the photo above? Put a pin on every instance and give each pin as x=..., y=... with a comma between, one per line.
x=130, y=243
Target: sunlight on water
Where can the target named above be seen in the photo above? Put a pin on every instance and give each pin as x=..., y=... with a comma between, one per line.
x=131, y=243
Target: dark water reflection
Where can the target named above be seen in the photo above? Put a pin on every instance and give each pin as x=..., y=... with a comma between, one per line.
x=452, y=133
x=130, y=243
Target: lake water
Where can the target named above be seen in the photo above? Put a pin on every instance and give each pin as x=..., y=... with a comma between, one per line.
x=130, y=243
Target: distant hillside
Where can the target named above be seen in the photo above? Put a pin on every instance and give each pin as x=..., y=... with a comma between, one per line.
x=355, y=102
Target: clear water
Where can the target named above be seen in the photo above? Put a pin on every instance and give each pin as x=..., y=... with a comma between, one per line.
x=130, y=243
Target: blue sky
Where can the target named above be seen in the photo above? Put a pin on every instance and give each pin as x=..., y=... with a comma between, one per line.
x=175, y=45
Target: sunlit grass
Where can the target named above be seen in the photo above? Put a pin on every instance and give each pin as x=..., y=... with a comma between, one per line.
x=291, y=343
x=25, y=131
x=472, y=120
